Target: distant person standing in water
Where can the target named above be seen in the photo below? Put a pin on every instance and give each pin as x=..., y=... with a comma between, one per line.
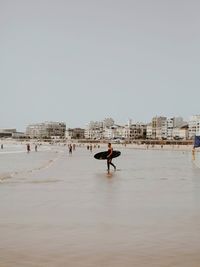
x=91, y=148
x=109, y=158
x=28, y=148
x=1, y=146
x=35, y=147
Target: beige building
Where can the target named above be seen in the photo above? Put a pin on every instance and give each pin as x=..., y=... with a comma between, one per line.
x=75, y=133
x=46, y=130
x=7, y=132
x=158, y=127
x=180, y=133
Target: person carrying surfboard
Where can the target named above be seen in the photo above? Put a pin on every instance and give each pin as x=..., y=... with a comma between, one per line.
x=109, y=158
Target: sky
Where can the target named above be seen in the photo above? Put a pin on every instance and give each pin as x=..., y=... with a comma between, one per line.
x=81, y=60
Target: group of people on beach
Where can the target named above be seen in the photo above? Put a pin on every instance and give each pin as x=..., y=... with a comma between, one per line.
x=28, y=148
x=72, y=147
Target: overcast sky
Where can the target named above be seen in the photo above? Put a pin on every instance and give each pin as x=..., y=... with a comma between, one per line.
x=81, y=60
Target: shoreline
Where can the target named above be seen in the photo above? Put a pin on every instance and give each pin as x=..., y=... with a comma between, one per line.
x=141, y=146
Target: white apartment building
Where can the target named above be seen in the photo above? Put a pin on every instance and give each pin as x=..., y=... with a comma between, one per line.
x=101, y=129
x=95, y=133
x=113, y=132
x=110, y=133
x=194, y=126
x=171, y=123
x=169, y=128
x=135, y=131
x=149, y=131
x=94, y=130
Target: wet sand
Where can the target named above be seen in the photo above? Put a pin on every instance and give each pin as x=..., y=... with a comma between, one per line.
x=58, y=210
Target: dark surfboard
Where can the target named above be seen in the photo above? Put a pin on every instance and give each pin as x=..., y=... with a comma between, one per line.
x=104, y=154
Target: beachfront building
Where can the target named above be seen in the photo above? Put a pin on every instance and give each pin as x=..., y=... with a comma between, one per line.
x=94, y=130
x=134, y=131
x=159, y=127
x=180, y=132
x=149, y=131
x=97, y=130
x=170, y=125
x=7, y=132
x=113, y=132
x=162, y=127
x=194, y=126
x=19, y=135
x=75, y=133
x=110, y=132
x=46, y=130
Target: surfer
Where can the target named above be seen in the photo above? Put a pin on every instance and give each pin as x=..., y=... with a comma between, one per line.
x=109, y=158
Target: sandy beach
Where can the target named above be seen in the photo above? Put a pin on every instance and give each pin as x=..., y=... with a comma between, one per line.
x=61, y=210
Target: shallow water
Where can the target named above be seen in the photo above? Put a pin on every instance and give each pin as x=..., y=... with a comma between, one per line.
x=58, y=210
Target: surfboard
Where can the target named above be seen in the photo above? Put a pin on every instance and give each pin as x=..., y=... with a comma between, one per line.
x=103, y=155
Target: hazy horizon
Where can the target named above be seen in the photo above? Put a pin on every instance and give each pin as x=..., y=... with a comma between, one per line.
x=77, y=61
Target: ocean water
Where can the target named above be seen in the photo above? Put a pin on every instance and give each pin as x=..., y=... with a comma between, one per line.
x=61, y=210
